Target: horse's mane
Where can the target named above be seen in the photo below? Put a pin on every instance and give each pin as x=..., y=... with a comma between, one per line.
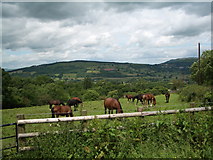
x=120, y=105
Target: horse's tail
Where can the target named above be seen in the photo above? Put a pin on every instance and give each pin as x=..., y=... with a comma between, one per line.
x=121, y=110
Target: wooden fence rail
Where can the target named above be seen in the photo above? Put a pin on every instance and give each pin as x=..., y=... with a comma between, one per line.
x=109, y=116
x=21, y=122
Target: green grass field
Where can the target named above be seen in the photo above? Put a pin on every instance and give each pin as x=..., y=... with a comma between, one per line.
x=92, y=107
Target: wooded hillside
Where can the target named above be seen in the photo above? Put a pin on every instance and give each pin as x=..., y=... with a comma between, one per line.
x=76, y=70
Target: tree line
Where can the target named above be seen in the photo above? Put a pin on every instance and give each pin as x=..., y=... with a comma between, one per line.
x=25, y=92
x=35, y=91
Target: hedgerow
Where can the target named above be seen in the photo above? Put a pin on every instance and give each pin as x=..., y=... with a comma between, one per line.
x=184, y=135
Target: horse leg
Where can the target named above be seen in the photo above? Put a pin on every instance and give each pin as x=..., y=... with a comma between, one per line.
x=141, y=101
x=53, y=116
x=147, y=103
x=151, y=102
x=75, y=107
x=168, y=100
x=105, y=110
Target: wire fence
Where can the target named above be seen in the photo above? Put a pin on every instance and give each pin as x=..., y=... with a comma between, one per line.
x=9, y=137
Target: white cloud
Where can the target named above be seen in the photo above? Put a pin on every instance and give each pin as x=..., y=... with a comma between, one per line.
x=136, y=33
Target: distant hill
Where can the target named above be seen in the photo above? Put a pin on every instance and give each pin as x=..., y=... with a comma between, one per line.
x=76, y=70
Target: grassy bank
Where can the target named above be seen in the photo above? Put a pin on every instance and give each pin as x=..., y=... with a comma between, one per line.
x=183, y=135
x=137, y=133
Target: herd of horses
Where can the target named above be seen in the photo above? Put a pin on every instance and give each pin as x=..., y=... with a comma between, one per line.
x=111, y=104
x=60, y=108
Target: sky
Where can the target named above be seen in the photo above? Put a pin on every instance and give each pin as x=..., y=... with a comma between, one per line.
x=35, y=33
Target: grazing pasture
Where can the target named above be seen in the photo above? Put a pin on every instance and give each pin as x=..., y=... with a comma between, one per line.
x=163, y=136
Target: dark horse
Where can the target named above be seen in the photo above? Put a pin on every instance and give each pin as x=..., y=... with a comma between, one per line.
x=61, y=110
x=55, y=102
x=112, y=103
x=139, y=97
x=74, y=102
x=129, y=97
x=149, y=98
x=167, y=96
x=76, y=98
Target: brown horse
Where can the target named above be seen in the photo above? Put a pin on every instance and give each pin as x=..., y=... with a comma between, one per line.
x=149, y=98
x=112, y=103
x=74, y=102
x=61, y=110
x=129, y=97
x=55, y=102
x=167, y=96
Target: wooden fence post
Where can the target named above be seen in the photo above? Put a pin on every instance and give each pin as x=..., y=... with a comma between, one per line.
x=84, y=123
x=20, y=128
x=139, y=109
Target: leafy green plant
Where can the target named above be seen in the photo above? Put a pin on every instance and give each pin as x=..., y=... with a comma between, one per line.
x=91, y=95
x=196, y=93
x=188, y=136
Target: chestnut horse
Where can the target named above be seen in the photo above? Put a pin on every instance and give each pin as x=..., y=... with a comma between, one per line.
x=139, y=97
x=61, y=110
x=129, y=97
x=167, y=96
x=55, y=102
x=112, y=103
x=149, y=98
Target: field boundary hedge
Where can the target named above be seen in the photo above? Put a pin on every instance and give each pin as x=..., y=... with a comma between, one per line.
x=21, y=123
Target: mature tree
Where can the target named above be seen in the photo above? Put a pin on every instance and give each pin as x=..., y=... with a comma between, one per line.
x=6, y=92
x=87, y=83
x=177, y=84
x=205, y=74
x=42, y=80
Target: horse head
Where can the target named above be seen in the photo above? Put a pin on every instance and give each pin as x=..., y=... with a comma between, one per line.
x=154, y=101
